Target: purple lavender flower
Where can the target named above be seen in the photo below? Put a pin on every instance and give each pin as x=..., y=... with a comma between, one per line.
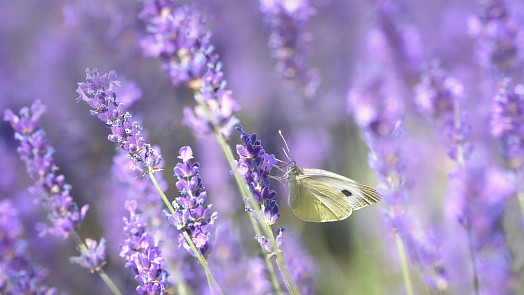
x=396, y=42
x=289, y=41
x=178, y=36
x=37, y=154
x=142, y=253
x=95, y=258
x=254, y=166
x=499, y=37
x=439, y=96
x=99, y=92
x=478, y=196
x=19, y=275
x=191, y=215
x=507, y=122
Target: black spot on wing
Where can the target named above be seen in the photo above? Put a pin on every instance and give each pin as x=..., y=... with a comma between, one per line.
x=346, y=193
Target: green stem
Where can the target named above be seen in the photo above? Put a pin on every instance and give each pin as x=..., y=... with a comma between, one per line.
x=100, y=271
x=404, y=262
x=210, y=279
x=520, y=191
x=290, y=284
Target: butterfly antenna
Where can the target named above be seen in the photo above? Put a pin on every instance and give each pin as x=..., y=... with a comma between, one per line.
x=287, y=147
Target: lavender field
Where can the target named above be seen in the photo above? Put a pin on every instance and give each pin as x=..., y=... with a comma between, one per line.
x=140, y=147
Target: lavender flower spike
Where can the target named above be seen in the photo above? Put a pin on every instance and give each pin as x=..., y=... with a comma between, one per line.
x=189, y=59
x=289, y=41
x=254, y=166
x=507, y=122
x=19, y=275
x=99, y=92
x=37, y=154
x=191, y=215
x=142, y=254
x=497, y=33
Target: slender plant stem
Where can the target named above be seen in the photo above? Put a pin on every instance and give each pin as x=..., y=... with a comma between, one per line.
x=404, y=262
x=462, y=163
x=100, y=271
x=290, y=284
x=210, y=279
x=520, y=190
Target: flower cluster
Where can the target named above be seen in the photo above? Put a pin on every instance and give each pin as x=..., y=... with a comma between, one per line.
x=142, y=253
x=19, y=275
x=50, y=187
x=507, y=122
x=499, y=37
x=254, y=166
x=289, y=41
x=95, y=257
x=216, y=104
x=99, y=92
x=191, y=215
x=439, y=96
x=179, y=38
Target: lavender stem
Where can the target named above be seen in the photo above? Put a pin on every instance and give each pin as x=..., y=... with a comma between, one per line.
x=404, y=262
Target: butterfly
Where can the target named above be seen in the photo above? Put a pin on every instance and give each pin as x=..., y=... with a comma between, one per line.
x=317, y=195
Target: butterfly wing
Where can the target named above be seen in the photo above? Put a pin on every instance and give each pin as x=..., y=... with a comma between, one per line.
x=313, y=201
x=357, y=194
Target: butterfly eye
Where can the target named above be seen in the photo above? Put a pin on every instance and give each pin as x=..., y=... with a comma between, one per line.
x=346, y=193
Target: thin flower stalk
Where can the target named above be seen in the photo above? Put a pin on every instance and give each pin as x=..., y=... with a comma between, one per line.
x=99, y=92
x=52, y=190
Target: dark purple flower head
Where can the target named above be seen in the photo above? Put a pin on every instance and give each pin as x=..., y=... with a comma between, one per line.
x=499, y=37
x=254, y=166
x=142, y=253
x=95, y=258
x=289, y=41
x=191, y=214
x=99, y=92
x=19, y=275
x=507, y=122
x=50, y=187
